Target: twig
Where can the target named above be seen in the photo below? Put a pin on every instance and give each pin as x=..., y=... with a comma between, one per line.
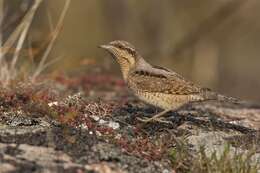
x=27, y=23
x=8, y=71
x=51, y=62
x=14, y=36
x=41, y=65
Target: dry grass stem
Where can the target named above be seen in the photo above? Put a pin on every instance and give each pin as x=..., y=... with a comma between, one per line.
x=8, y=70
x=14, y=36
x=42, y=65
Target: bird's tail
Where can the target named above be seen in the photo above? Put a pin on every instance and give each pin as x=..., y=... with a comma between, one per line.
x=221, y=97
x=210, y=95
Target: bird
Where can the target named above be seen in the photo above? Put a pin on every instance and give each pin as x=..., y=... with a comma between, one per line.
x=155, y=85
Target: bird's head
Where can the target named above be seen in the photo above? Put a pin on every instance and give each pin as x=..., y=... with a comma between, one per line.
x=124, y=53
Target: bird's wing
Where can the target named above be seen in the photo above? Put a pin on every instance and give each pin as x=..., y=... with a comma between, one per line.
x=162, y=81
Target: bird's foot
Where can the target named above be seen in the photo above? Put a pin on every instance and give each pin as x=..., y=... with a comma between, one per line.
x=157, y=118
x=154, y=119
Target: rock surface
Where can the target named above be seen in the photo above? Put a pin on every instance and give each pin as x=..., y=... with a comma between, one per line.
x=98, y=132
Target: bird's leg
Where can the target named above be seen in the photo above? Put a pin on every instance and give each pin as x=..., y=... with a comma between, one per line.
x=157, y=117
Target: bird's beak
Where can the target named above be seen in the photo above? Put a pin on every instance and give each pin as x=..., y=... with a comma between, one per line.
x=104, y=46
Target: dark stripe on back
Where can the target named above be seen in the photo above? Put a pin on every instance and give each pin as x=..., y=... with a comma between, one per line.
x=161, y=68
x=146, y=73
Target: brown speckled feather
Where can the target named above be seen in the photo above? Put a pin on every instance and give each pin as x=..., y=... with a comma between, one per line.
x=162, y=81
x=153, y=84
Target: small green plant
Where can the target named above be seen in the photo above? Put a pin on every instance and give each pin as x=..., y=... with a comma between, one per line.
x=180, y=156
x=225, y=162
x=200, y=162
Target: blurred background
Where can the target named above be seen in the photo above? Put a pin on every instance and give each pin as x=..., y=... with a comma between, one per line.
x=214, y=43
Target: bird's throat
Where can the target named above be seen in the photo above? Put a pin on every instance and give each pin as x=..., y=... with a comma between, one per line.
x=124, y=66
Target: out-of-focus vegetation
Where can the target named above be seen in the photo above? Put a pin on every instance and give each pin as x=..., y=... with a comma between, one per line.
x=214, y=43
x=218, y=162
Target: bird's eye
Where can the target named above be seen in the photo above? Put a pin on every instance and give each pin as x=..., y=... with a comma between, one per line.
x=129, y=50
x=120, y=46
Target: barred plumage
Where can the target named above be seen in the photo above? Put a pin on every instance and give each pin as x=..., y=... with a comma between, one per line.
x=153, y=84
